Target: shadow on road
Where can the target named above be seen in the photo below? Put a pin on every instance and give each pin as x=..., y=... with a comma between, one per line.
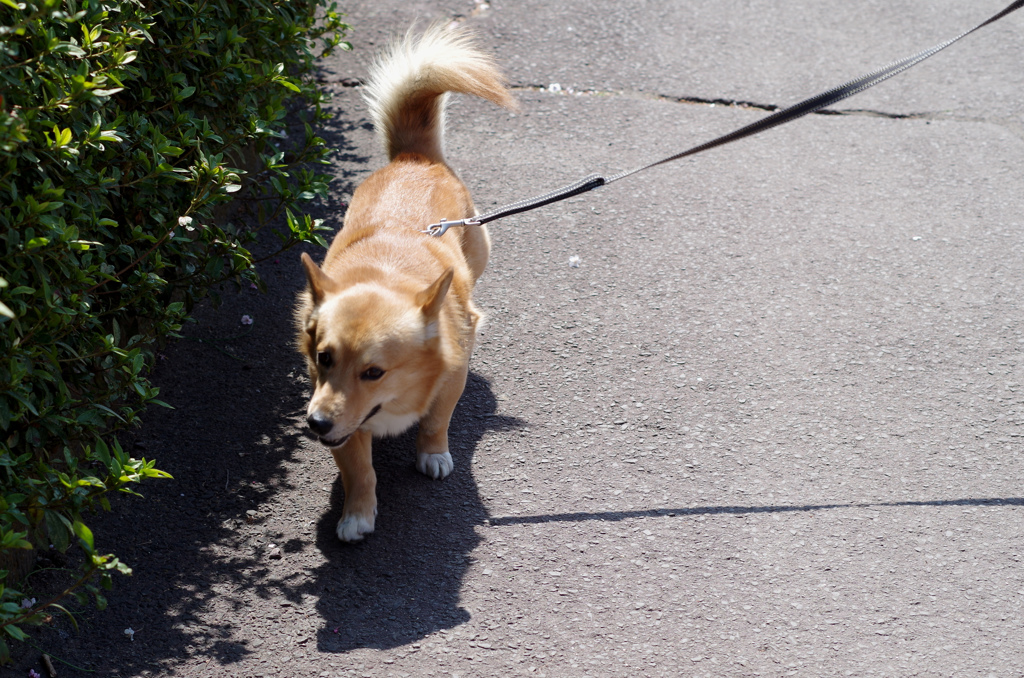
x=613, y=516
x=403, y=582
x=203, y=585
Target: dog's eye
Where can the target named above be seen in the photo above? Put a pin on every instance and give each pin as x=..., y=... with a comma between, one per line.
x=323, y=359
x=372, y=374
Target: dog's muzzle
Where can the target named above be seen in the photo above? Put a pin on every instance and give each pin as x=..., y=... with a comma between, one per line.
x=321, y=426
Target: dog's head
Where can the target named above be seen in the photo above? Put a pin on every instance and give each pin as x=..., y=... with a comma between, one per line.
x=374, y=353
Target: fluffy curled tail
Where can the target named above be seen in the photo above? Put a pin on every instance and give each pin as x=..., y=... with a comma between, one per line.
x=407, y=87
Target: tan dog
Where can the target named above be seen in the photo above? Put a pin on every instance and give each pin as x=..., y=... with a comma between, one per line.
x=387, y=325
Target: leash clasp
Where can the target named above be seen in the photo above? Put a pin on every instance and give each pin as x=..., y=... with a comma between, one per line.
x=439, y=229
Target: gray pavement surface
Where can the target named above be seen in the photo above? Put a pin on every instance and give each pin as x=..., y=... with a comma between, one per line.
x=769, y=425
x=772, y=421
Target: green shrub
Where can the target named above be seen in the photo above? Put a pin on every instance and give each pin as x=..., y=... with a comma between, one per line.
x=123, y=124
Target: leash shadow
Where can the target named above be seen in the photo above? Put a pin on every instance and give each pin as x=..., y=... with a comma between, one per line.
x=615, y=516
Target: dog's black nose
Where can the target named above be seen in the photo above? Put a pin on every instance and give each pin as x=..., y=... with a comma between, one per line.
x=319, y=424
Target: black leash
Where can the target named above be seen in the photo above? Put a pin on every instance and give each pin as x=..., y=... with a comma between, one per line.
x=799, y=110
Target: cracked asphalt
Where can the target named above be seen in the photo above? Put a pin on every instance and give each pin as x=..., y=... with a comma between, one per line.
x=769, y=424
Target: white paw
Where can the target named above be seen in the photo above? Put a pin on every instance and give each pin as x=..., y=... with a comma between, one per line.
x=436, y=466
x=352, y=528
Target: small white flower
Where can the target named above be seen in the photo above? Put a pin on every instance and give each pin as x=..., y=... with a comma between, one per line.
x=554, y=87
x=574, y=261
x=246, y=320
x=130, y=633
x=184, y=221
x=28, y=602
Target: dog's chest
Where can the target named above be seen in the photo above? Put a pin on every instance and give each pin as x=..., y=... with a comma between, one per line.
x=387, y=424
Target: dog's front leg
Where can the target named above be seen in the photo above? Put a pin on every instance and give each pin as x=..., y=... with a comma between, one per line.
x=433, y=458
x=355, y=460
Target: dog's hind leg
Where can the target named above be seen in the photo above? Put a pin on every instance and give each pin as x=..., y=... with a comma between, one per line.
x=355, y=460
x=433, y=458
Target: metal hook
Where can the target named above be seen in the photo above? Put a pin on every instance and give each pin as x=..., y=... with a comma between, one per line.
x=439, y=229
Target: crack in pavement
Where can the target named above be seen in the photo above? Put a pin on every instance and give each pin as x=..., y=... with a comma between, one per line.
x=1012, y=126
x=555, y=88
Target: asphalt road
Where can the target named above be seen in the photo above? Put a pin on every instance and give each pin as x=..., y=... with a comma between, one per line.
x=770, y=424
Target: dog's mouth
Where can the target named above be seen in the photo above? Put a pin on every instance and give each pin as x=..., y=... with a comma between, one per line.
x=335, y=443
x=341, y=440
x=374, y=411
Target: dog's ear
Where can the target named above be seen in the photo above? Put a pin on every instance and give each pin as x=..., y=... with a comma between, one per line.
x=430, y=299
x=319, y=282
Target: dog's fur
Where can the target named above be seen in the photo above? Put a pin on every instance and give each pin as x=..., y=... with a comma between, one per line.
x=387, y=324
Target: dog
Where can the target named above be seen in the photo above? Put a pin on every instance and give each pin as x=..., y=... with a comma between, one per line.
x=387, y=322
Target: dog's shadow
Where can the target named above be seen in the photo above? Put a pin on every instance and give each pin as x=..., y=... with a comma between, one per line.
x=403, y=581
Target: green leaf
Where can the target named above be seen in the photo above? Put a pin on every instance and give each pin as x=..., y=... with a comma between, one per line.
x=68, y=48
x=83, y=533
x=90, y=418
x=102, y=451
x=109, y=411
x=15, y=632
x=57, y=530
